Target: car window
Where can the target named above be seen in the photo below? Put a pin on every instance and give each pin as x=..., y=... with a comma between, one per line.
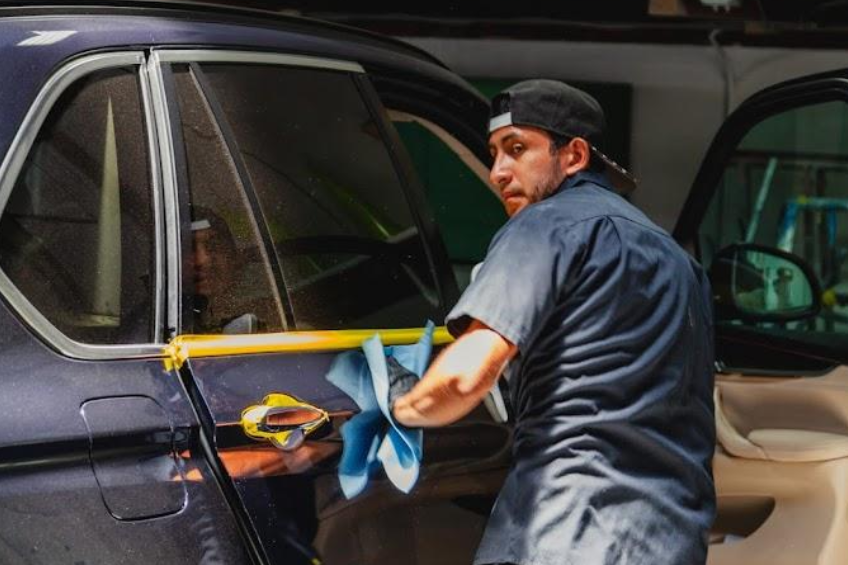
x=455, y=182
x=342, y=229
x=76, y=236
x=227, y=276
x=786, y=187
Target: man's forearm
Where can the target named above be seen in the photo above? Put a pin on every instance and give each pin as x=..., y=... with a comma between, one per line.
x=457, y=381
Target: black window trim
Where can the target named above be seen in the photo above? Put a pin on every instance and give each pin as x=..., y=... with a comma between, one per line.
x=162, y=59
x=159, y=64
x=464, y=153
x=178, y=203
x=761, y=106
x=11, y=168
x=735, y=127
x=413, y=191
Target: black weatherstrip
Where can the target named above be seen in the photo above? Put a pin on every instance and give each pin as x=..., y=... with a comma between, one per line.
x=437, y=258
x=186, y=280
x=252, y=197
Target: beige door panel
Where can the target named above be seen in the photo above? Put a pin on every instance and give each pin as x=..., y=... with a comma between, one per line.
x=807, y=403
x=781, y=470
x=808, y=523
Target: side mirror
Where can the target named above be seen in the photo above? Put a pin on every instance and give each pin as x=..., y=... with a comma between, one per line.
x=757, y=283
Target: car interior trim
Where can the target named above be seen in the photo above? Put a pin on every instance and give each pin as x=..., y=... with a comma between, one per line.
x=186, y=347
x=226, y=56
x=468, y=158
x=11, y=167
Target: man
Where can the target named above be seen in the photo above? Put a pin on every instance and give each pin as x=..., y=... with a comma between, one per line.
x=214, y=267
x=222, y=295
x=607, y=325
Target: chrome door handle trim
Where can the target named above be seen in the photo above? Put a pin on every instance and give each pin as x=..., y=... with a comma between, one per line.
x=282, y=419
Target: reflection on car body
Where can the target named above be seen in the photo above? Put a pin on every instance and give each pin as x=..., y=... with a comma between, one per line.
x=121, y=128
x=250, y=182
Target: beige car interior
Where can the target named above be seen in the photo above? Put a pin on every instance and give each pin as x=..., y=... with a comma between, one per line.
x=781, y=470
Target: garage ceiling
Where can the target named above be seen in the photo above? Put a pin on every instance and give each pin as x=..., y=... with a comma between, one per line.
x=787, y=23
x=808, y=13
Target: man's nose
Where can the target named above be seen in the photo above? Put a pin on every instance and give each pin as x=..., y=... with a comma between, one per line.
x=500, y=174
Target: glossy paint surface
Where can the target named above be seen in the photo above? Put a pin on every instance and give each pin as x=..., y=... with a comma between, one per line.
x=102, y=461
x=132, y=453
x=294, y=499
x=52, y=509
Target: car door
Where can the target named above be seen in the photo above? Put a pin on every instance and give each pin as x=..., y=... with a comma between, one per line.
x=775, y=183
x=300, y=226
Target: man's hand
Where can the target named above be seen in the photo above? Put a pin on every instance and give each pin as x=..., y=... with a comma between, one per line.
x=401, y=380
x=457, y=381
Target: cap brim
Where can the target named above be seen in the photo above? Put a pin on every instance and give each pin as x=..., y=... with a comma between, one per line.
x=623, y=182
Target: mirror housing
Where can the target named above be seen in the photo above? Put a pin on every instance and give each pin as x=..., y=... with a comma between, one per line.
x=756, y=283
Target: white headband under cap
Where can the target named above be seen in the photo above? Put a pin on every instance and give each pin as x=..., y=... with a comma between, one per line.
x=500, y=121
x=198, y=225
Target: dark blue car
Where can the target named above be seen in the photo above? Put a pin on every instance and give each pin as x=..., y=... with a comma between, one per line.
x=167, y=173
x=201, y=210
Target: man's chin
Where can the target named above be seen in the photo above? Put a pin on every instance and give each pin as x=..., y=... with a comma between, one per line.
x=514, y=205
x=201, y=288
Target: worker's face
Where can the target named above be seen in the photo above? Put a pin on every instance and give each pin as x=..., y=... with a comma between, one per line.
x=212, y=263
x=524, y=169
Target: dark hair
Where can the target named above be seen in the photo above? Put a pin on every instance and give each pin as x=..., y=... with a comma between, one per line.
x=558, y=141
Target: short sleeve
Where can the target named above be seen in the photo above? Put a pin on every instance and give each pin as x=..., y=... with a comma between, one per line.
x=519, y=282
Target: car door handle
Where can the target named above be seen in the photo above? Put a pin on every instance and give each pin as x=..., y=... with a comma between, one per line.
x=282, y=419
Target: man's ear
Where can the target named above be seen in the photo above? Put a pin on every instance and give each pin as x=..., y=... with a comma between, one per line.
x=574, y=156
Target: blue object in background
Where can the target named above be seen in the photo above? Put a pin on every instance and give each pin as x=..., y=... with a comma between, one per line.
x=372, y=437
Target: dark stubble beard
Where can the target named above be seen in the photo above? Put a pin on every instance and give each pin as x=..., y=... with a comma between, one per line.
x=550, y=183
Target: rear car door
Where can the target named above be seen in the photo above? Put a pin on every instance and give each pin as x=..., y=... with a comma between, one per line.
x=100, y=459
x=768, y=216
x=301, y=225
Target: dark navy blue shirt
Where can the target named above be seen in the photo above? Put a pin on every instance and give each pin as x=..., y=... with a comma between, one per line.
x=611, y=389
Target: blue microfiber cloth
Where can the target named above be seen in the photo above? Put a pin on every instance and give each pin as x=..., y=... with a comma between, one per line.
x=372, y=437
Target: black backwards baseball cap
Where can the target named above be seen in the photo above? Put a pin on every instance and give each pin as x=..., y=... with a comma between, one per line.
x=562, y=109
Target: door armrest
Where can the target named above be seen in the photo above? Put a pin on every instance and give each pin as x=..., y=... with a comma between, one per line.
x=799, y=445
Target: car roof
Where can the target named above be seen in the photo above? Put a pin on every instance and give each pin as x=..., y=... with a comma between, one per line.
x=201, y=11
x=35, y=40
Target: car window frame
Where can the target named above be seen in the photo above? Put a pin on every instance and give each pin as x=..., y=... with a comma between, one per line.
x=439, y=104
x=181, y=216
x=464, y=153
x=163, y=59
x=752, y=112
x=812, y=357
x=56, y=84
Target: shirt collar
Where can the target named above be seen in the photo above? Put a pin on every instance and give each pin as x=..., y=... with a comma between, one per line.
x=585, y=176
